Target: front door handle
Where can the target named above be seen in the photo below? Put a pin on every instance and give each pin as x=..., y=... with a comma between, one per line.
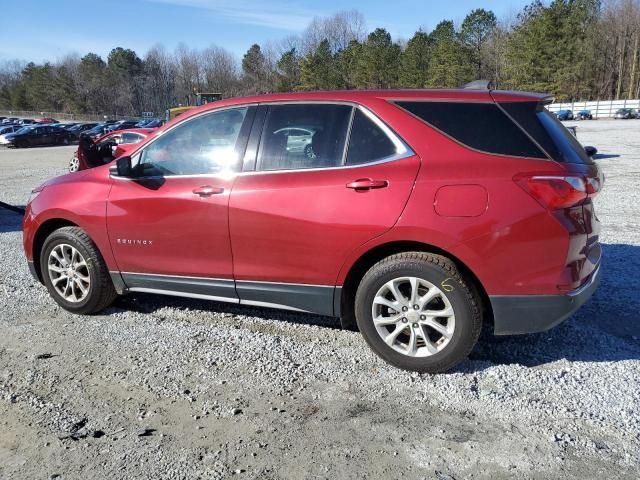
x=208, y=190
x=364, y=184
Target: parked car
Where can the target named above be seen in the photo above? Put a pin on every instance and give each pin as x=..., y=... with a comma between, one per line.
x=584, y=115
x=26, y=121
x=564, y=115
x=625, y=114
x=10, y=120
x=404, y=221
x=37, y=135
x=5, y=129
x=122, y=125
x=97, y=131
x=92, y=154
x=45, y=120
x=76, y=130
x=149, y=123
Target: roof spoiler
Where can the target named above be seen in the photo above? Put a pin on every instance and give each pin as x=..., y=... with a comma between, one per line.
x=479, y=85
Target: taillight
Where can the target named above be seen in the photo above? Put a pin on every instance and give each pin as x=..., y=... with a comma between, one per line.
x=555, y=192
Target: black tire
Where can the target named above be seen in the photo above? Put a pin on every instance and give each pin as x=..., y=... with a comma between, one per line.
x=101, y=292
x=460, y=293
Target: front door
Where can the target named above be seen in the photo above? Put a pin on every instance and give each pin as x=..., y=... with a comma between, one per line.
x=169, y=227
x=308, y=204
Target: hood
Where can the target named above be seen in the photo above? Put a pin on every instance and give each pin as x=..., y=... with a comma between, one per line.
x=67, y=178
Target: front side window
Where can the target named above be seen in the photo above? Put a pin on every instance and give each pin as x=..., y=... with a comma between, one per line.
x=299, y=136
x=204, y=145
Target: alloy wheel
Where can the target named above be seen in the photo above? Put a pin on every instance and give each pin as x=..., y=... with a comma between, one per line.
x=74, y=164
x=413, y=316
x=69, y=273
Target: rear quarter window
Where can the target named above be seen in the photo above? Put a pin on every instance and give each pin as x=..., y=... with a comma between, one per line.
x=480, y=126
x=548, y=132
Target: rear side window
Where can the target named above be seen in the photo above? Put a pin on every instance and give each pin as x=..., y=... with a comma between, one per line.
x=480, y=126
x=299, y=136
x=547, y=130
x=368, y=142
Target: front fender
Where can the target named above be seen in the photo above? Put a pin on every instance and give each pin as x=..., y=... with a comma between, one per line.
x=82, y=203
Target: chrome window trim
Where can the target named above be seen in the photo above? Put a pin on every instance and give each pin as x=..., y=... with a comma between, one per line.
x=405, y=149
x=402, y=148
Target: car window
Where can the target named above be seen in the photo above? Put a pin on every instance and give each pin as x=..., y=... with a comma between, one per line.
x=131, y=137
x=480, y=126
x=207, y=144
x=298, y=136
x=368, y=142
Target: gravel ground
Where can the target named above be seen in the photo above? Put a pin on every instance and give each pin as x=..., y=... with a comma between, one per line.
x=158, y=387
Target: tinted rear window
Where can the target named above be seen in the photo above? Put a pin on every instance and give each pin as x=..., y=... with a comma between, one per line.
x=547, y=130
x=481, y=126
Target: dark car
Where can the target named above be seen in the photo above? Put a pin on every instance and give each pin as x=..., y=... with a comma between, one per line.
x=625, y=114
x=26, y=121
x=122, y=125
x=78, y=129
x=399, y=219
x=96, y=131
x=37, y=135
x=584, y=115
x=564, y=115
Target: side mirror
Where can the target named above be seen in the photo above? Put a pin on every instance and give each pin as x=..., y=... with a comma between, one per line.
x=122, y=167
x=590, y=151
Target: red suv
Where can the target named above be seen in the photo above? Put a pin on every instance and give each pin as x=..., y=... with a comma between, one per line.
x=415, y=215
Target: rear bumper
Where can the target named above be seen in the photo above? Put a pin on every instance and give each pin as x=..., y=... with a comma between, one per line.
x=518, y=314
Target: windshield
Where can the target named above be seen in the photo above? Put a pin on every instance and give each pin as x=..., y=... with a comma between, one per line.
x=24, y=130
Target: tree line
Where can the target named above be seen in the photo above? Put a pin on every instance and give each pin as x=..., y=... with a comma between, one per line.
x=573, y=49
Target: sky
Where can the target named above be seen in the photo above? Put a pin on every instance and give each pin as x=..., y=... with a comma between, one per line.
x=43, y=30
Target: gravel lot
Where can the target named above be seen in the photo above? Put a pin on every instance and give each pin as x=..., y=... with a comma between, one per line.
x=158, y=387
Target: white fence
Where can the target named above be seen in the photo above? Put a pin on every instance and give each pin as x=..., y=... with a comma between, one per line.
x=599, y=108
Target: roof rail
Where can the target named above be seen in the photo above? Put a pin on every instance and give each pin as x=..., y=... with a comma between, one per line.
x=479, y=85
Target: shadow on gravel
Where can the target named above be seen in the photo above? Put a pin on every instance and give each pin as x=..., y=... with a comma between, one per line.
x=10, y=218
x=605, y=156
x=149, y=303
x=605, y=329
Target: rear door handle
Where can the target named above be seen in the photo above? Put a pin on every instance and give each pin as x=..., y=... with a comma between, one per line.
x=364, y=184
x=208, y=190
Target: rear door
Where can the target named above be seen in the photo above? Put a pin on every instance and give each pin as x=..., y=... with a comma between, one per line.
x=300, y=206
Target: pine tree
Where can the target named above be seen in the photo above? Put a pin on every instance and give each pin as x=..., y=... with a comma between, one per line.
x=288, y=78
x=415, y=60
x=379, y=61
x=450, y=65
x=474, y=33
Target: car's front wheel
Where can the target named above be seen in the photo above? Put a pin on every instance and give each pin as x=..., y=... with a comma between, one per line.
x=418, y=312
x=74, y=164
x=75, y=273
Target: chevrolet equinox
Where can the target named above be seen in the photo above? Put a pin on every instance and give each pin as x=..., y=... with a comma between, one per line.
x=411, y=215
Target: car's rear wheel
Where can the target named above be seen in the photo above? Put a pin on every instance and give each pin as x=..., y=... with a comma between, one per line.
x=418, y=312
x=75, y=273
